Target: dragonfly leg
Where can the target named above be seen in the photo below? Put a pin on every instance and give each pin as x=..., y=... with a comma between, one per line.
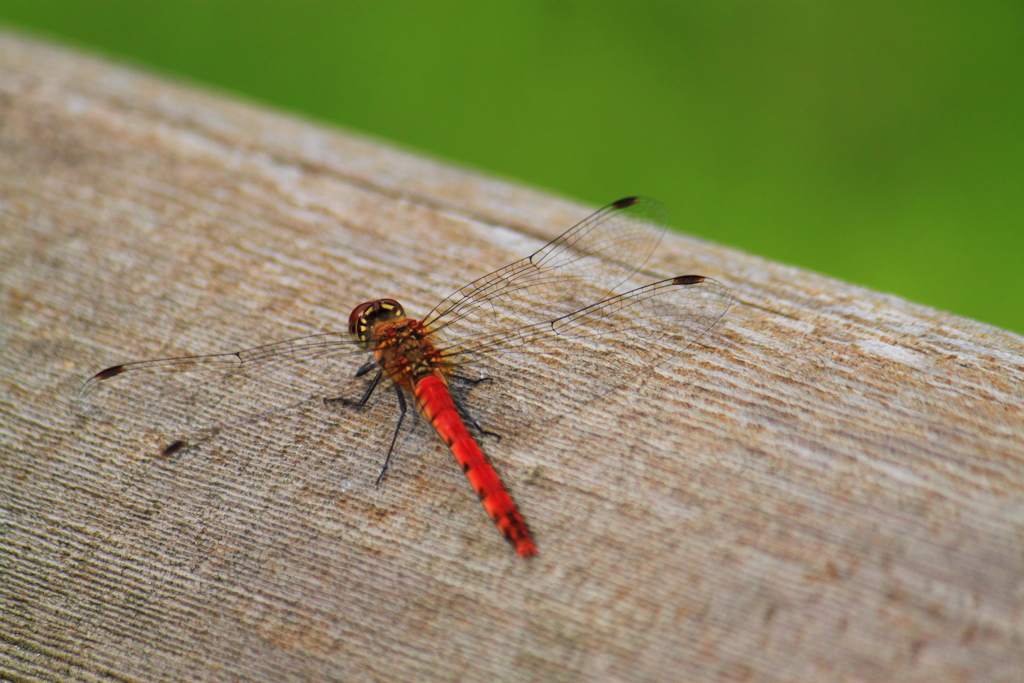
x=471, y=380
x=366, y=395
x=394, y=438
x=366, y=368
x=469, y=418
x=463, y=412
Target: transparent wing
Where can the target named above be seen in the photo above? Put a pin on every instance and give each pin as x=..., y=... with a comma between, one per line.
x=583, y=265
x=544, y=370
x=177, y=402
x=533, y=328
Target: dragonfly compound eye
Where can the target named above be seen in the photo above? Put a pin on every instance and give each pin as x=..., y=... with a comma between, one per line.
x=367, y=315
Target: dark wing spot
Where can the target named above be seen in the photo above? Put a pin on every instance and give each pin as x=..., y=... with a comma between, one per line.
x=172, y=448
x=688, y=279
x=109, y=372
x=624, y=202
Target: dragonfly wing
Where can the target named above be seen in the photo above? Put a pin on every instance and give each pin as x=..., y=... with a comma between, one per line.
x=181, y=401
x=545, y=370
x=585, y=264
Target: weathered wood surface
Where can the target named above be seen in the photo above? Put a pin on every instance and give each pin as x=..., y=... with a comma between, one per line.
x=831, y=488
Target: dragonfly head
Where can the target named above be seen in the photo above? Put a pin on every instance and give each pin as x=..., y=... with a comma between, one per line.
x=368, y=315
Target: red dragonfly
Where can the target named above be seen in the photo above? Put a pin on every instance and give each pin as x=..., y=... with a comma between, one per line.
x=545, y=334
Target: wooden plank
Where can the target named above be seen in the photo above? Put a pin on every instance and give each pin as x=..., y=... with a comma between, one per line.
x=830, y=487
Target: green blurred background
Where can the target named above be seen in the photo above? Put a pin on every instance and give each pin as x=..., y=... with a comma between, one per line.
x=882, y=143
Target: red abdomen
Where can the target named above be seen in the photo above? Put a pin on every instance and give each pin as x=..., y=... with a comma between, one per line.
x=435, y=403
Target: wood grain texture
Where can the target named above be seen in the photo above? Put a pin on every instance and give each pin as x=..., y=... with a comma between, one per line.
x=830, y=488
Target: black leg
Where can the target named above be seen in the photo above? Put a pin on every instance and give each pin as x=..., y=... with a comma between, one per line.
x=394, y=439
x=366, y=368
x=470, y=380
x=369, y=390
x=465, y=413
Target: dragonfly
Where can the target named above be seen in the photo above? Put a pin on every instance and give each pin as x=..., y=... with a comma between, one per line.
x=541, y=337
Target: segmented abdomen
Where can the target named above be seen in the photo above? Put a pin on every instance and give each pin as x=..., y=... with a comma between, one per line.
x=435, y=404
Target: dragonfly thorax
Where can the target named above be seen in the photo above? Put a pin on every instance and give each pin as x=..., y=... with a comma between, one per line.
x=404, y=350
x=366, y=316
